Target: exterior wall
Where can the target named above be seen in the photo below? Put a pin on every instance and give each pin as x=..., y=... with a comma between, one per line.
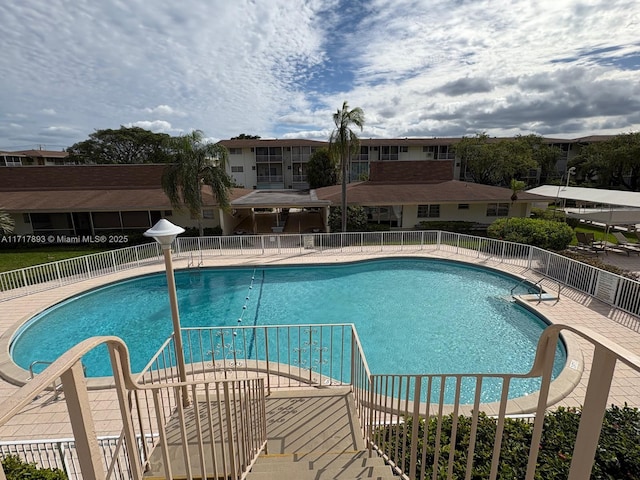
x=477, y=213
x=21, y=227
x=408, y=172
x=247, y=160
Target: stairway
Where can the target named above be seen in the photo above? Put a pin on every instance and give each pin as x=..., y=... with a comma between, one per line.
x=315, y=434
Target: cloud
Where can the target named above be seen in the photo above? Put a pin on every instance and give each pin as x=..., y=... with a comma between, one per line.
x=158, y=126
x=165, y=110
x=416, y=67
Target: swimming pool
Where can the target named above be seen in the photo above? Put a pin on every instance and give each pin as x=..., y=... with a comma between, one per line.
x=412, y=315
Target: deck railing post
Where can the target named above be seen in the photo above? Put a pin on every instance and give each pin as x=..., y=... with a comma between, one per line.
x=125, y=412
x=84, y=432
x=595, y=404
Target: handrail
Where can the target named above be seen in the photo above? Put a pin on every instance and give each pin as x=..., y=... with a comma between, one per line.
x=245, y=395
x=397, y=404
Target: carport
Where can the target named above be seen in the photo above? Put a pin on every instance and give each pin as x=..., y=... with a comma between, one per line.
x=276, y=211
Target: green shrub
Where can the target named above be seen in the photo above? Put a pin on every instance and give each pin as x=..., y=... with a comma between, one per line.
x=450, y=226
x=617, y=456
x=596, y=262
x=17, y=469
x=545, y=234
x=356, y=219
x=378, y=227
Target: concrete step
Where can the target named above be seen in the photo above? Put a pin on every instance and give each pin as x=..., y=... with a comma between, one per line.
x=361, y=460
x=351, y=473
x=534, y=297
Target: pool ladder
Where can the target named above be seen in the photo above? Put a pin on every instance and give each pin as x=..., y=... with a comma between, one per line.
x=56, y=387
x=540, y=293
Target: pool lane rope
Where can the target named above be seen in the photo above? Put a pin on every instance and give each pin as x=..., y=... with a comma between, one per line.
x=247, y=298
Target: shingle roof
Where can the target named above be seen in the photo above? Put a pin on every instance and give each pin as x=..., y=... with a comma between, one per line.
x=452, y=191
x=89, y=187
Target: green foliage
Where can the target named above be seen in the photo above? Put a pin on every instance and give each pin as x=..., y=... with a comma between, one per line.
x=597, y=263
x=448, y=226
x=321, y=169
x=343, y=143
x=495, y=162
x=196, y=163
x=125, y=145
x=545, y=234
x=555, y=215
x=617, y=456
x=244, y=136
x=6, y=223
x=17, y=469
x=378, y=227
x=356, y=219
x=614, y=163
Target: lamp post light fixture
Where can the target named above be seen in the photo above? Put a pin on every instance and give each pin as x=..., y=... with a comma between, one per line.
x=164, y=232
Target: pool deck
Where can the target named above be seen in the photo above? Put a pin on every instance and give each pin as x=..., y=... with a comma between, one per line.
x=46, y=418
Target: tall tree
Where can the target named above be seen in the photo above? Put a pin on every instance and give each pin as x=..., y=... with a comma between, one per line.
x=196, y=163
x=613, y=163
x=321, y=169
x=124, y=145
x=493, y=161
x=6, y=223
x=343, y=143
x=244, y=136
x=546, y=156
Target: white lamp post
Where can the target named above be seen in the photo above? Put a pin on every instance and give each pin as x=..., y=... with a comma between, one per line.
x=164, y=232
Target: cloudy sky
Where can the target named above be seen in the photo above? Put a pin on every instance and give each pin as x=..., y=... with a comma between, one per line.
x=280, y=68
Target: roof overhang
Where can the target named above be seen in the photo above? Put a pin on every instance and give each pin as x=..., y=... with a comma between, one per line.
x=280, y=199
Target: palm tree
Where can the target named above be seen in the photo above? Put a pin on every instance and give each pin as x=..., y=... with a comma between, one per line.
x=196, y=163
x=6, y=223
x=343, y=143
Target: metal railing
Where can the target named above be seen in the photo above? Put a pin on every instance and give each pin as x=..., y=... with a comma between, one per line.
x=411, y=420
x=408, y=421
x=61, y=453
x=286, y=356
x=620, y=292
x=217, y=430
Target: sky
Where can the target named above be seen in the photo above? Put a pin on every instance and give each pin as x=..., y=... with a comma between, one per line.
x=281, y=68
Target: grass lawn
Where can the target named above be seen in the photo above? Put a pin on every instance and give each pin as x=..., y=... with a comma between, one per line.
x=599, y=234
x=14, y=259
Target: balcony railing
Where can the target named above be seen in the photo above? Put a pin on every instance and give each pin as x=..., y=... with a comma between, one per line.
x=620, y=292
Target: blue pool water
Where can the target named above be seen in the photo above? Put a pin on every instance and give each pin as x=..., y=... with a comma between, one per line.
x=412, y=315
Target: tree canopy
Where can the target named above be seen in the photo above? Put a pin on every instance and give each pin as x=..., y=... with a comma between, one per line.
x=493, y=161
x=244, y=136
x=614, y=163
x=343, y=143
x=124, y=145
x=196, y=163
x=321, y=169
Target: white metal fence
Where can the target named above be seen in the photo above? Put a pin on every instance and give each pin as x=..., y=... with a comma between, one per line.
x=61, y=454
x=615, y=290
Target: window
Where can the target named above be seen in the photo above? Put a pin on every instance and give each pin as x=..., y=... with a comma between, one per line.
x=208, y=214
x=428, y=211
x=235, y=151
x=404, y=149
x=237, y=169
x=388, y=153
x=497, y=209
x=463, y=206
